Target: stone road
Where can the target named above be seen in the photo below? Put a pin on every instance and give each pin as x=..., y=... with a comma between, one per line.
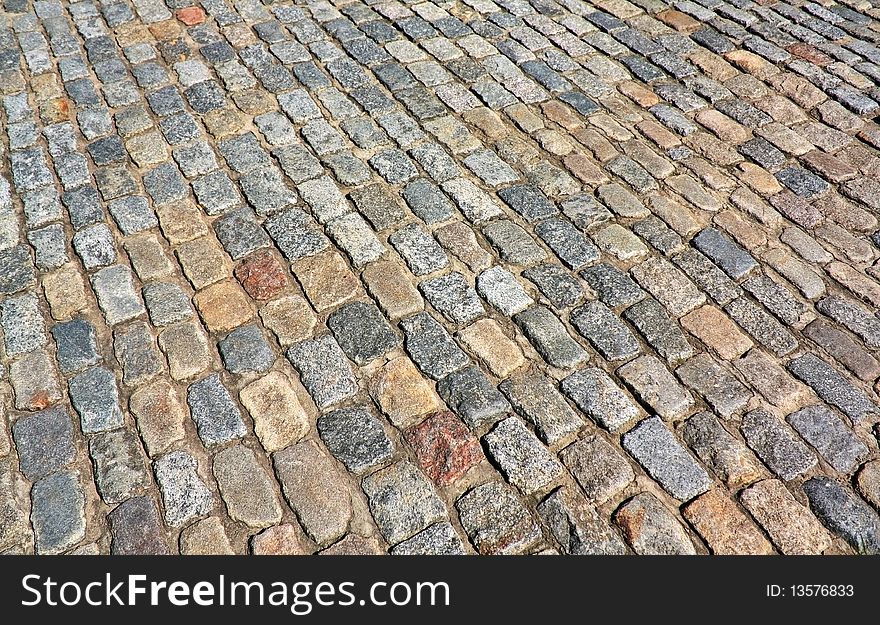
x=510, y=276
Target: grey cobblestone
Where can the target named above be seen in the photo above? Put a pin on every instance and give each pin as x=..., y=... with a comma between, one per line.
x=355, y=437
x=550, y=338
x=776, y=445
x=216, y=415
x=605, y=331
x=657, y=449
x=534, y=182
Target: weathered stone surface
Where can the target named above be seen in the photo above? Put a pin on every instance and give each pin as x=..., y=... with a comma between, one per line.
x=776, y=445
x=832, y=386
x=184, y=494
x=576, y=525
x=324, y=370
x=472, y=396
x=253, y=223
x=535, y=398
x=58, y=512
x=326, y=280
x=402, y=393
x=526, y=463
x=831, y=437
x=281, y=540
x=551, y=338
x=136, y=529
x=596, y=394
x=246, y=488
x=44, y=441
x=402, y=501
x=160, y=415
x=656, y=386
x=605, y=331
x=650, y=528
x=496, y=521
x=453, y=297
x=717, y=331
x=439, y=539
x=205, y=538
x=444, y=448
x=790, y=525
x=216, y=415
x=725, y=529
x=119, y=467
x=665, y=459
x=95, y=396
x=844, y=514
x=356, y=437
x=728, y=458
x=598, y=467
x=315, y=490
x=279, y=418
x=290, y=319
x=361, y=331
x=431, y=347
x=724, y=392
x=486, y=340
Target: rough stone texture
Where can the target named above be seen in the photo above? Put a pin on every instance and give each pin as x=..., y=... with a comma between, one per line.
x=95, y=396
x=136, y=529
x=550, y=337
x=486, y=339
x=217, y=417
x=576, y=525
x=535, y=398
x=831, y=437
x=776, y=445
x=205, y=538
x=44, y=441
x=496, y=521
x=439, y=539
x=524, y=461
x=656, y=386
x=160, y=415
x=402, y=393
x=402, y=501
x=184, y=493
x=430, y=346
x=724, y=392
x=430, y=206
x=356, y=437
x=832, y=386
x=362, y=332
x=845, y=514
x=324, y=370
x=771, y=380
x=596, y=394
x=119, y=467
x=315, y=489
x=444, y=448
x=727, y=456
x=58, y=513
x=598, y=467
x=246, y=488
x=279, y=418
x=665, y=459
x=650, y=528
x=791, y=526
x=726, y=529
x=472, y=396
x=280, y=540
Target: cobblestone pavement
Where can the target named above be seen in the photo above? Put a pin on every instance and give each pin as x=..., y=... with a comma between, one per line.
x=511, y=276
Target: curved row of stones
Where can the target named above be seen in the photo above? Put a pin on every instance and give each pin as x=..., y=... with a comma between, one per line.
x=439, y=277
